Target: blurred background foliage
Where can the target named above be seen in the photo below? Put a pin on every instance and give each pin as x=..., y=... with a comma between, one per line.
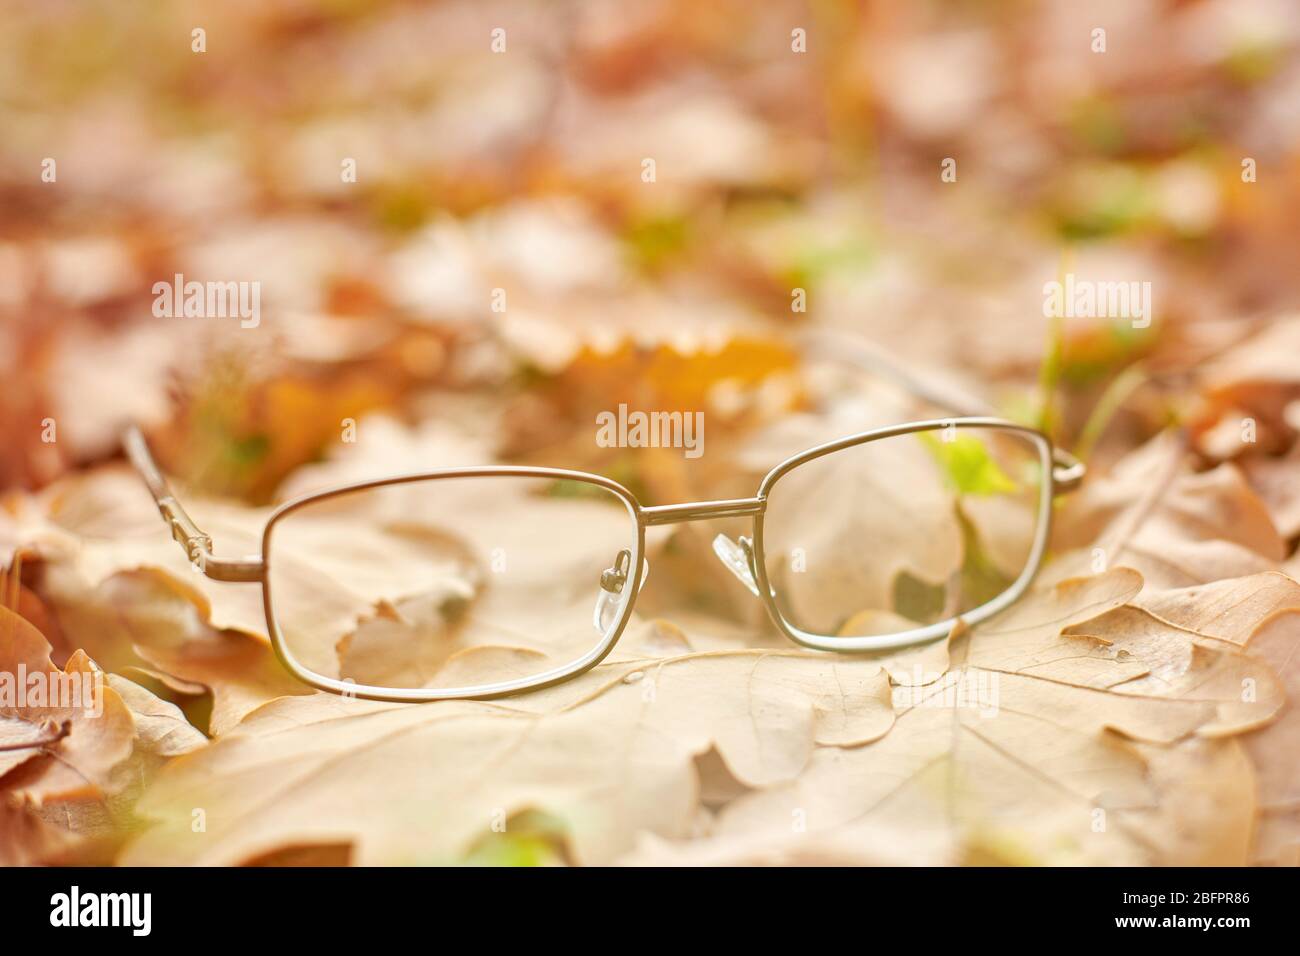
x=521, y=171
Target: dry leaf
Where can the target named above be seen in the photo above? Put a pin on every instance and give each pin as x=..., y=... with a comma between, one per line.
x=1177, y=527
x=611, y=755
x=101, y=728
x=1175, y=664
x=146, y=620
x=1229, y=610
x=1274, y=748
x=26, y=839
x=1256, y=381
x=160, y=727
x=1015, y=757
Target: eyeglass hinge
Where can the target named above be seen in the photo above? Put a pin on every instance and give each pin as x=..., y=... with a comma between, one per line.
x=1067, y=471
x=198, y=547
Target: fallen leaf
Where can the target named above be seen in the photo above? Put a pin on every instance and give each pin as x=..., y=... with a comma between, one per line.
x=1254, y=382
x=612, y=755
x=1177, y=527
x=26, y=839
x=1274, y=480
x=147, y=620
x=1178, y=665
x=1273, y=749
x=854, y=844
x=161, y=729
x=1021, y=755
x=100, y=732
x=1229, y=610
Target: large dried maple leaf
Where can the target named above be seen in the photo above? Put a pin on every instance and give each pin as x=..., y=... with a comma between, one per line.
x=1046, y=759
x=1002, y=763
x=608, y=754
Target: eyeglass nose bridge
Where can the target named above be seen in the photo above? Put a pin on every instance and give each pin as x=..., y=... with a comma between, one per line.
x=702, y=510
x=738, y=555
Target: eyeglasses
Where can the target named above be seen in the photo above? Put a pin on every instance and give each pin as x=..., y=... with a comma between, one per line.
x=485, y=582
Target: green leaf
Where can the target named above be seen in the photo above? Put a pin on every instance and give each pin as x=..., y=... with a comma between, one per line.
x=525, y=850
x=967, y=465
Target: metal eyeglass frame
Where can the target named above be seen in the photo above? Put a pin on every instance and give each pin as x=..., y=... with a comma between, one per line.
x=1062, y=473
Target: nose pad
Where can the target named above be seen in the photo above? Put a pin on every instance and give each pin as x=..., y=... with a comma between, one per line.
x=612, y=581
x=738, y=558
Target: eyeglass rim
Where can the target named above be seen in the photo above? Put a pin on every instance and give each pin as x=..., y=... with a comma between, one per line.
x=472, y=692
x=644, y=516
x=939, y=629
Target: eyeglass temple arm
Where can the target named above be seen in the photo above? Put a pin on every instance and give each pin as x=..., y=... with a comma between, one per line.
x=196, y=543
x=1067, y=470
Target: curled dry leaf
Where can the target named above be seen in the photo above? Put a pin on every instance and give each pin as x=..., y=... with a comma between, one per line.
x=1128, y=650
x=101, y=729
x=101, y=523
x=1274, y=480
x=121, y=588
x=896, y=501
x=1228, y=610
x=160, y=728
x=1177, y=665
x=148, y=620
x=1177, y=527
x=1252, y=385
x=67, y=800
x=92, y=730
